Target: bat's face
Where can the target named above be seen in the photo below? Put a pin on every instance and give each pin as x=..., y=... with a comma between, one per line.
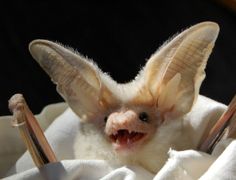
x=130, y=127
x=131, y=114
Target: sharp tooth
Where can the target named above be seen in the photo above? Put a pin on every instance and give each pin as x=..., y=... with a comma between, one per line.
x=117, y=141
x=128, y=142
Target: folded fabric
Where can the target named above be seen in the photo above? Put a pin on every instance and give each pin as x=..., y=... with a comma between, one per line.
x=224, y=167
x=79, y=169
x=182, y=165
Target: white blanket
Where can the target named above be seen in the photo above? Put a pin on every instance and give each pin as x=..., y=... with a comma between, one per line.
x=61, y=124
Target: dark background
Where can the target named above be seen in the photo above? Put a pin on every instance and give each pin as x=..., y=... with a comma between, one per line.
x=118, y=36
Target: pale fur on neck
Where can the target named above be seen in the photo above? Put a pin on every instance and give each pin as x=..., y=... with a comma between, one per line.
x=91, y=143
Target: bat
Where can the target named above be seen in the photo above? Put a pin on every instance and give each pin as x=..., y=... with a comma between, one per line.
x=136, y=122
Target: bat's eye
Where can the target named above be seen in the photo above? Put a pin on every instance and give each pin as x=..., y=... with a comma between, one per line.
x=143, y=116
x=105, y=119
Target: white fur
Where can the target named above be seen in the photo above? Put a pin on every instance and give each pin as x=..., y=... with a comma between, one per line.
x=178, y=134
x=90, y=93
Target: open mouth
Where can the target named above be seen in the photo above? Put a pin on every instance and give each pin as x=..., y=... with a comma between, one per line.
x=126, y=138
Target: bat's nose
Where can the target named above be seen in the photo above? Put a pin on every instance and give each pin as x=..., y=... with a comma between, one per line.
x=124, y=117
x=121, y=120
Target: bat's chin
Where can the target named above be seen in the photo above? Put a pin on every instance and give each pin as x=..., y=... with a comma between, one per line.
x=126, y=141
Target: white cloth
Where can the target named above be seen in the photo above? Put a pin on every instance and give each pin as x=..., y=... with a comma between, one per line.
x=60, y=125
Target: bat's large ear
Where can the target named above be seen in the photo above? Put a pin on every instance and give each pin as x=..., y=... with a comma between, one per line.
x=78, y=80
x=175, y=72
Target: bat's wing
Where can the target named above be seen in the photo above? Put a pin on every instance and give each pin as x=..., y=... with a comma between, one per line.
x=79, y=81
x=175, y=72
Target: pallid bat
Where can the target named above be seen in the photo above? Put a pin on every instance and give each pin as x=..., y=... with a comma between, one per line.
x=136, y=122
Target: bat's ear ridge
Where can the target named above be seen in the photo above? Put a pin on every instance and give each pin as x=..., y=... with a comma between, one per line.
x=54, y=58
x=78, y=79
x=183, y=59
